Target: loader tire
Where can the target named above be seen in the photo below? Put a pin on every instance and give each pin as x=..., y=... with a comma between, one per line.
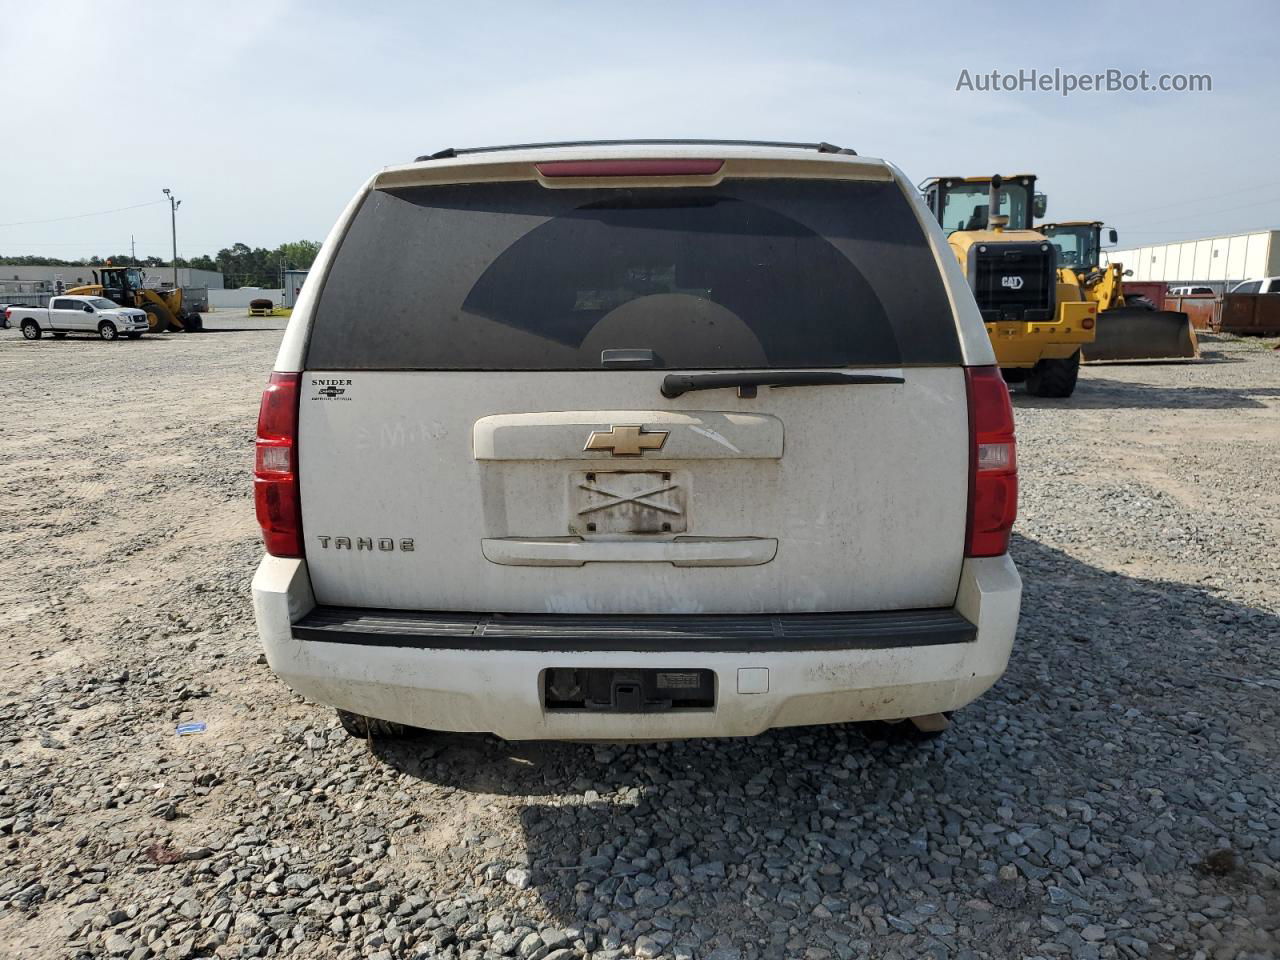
x=1014, y=374
x=362, y=727
x=1054, y=378
x=1139, y=301
x=193, y=323
x=156, y=322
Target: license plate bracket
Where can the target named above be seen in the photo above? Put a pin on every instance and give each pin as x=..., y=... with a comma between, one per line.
x=628, y=502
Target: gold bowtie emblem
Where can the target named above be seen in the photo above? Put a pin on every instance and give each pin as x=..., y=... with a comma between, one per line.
x=626, y=441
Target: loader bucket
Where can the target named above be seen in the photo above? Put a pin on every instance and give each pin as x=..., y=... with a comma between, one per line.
x=1135, y=333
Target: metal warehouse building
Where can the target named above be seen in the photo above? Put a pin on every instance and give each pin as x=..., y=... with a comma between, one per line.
x=12, y=276
x=1228, y=259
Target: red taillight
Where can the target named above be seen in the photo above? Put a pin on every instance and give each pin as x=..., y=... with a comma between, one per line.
x=993, y=464
x=630, y=168
x=275, y=468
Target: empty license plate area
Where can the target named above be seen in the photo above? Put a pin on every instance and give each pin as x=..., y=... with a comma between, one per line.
x=628, y=502
x=628, y=691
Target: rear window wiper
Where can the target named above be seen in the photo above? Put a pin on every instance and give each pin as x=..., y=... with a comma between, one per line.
x=676, y=384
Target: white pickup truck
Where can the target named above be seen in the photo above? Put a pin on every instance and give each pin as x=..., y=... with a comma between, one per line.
x=78, y=315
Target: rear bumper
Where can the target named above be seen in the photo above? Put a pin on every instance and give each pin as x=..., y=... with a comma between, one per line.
x=485, y=674
x=1022, y=344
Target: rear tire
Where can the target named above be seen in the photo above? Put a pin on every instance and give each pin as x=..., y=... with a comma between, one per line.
x=1054, y=378
x=1014, y=374
x=30, y=330
x=107, y=330
x=362, y=727
x=193, y=323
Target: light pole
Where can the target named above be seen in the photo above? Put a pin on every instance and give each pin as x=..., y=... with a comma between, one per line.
x=173, y=223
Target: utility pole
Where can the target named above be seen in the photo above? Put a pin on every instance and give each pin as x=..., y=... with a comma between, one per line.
x=133, y=250
x=173, y=223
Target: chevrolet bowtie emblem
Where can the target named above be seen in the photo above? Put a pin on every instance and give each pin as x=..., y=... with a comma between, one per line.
x=626, y=441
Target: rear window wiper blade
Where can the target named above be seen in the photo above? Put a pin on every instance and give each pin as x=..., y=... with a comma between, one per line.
x=676, y=384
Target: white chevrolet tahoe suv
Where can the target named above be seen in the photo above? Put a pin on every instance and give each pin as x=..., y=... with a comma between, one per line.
x=636, y=440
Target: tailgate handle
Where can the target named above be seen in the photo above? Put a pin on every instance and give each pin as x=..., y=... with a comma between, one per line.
x=677, y=384
x=680, y=552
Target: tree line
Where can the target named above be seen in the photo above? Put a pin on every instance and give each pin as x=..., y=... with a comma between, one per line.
x=240, y=265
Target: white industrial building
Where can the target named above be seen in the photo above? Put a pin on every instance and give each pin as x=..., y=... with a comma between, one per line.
x=1212, y=260
x=34, y=285
x=285, y=296
x=12, y=275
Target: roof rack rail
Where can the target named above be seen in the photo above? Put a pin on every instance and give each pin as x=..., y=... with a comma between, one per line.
x=450, y=152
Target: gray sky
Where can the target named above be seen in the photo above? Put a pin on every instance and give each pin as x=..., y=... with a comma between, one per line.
x=270, y=114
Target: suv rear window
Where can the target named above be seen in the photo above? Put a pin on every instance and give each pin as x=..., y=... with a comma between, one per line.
x=747, y=274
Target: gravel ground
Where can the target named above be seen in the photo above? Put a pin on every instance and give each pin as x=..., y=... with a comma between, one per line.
x=1114, y=796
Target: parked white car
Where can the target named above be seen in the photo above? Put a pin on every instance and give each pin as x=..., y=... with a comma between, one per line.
x=1265, y=285
x=78, y=314
x=636, y=441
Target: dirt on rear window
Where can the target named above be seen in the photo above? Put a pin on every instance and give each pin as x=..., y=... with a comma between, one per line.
x=746, y=274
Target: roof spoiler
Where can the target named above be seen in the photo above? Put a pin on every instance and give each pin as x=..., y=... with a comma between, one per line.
x=450, y=152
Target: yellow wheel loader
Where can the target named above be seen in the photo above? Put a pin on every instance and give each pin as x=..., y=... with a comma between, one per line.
x=1129, y=325
x=123, y=285
x=1036, y=323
